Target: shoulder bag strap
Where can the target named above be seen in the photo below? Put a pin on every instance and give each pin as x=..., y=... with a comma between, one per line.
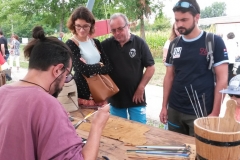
x=209, y=43
x=173, y=45
x=75, y=40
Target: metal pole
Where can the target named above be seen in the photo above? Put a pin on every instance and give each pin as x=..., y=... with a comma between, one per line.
x=90, y=4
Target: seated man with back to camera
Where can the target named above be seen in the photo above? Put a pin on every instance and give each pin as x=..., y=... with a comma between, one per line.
x=34, y=125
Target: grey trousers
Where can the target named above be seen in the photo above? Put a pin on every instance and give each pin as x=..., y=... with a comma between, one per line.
x=180, y=122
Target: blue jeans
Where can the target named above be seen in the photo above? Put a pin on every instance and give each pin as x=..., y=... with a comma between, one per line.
x=137, y=113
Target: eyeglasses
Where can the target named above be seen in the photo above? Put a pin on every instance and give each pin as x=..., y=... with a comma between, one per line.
x=84, y=27
x=120, y=29
x=184, y=5
x=69, y=77
x=233, y=95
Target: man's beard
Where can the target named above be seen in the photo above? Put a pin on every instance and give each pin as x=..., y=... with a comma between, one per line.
x=57, y=88
x=185, y=31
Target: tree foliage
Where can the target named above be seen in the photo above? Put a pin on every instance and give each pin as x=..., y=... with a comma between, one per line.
x=217, y=9
x=161, y=23
x=48, y=13
x=53, y=12
x=20, y=16
x=135, y=10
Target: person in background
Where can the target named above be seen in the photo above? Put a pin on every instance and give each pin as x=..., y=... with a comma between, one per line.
x=61, y=34
x=15, y=51
x=232, y=50
x=4, y=46
x=5, y=53
x=4, y=67
x=88, y=56
x=34, y=125
x=187, y=68
x=233, y=90
x=129, y=55
x=174, y=34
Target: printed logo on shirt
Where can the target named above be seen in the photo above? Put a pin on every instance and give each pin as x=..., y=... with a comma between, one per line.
x=132, y=53
x=203, y=51
x=177, y=52
x=225, y=52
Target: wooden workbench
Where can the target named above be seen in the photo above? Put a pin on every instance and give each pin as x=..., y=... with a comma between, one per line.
x=116, y=150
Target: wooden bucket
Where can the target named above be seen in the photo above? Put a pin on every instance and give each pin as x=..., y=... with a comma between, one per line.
x=218, y=138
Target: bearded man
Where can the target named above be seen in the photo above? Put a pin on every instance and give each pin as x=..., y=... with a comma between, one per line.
x=187, y=68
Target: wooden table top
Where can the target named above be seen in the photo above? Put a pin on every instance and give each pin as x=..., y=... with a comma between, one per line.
x=117, y=150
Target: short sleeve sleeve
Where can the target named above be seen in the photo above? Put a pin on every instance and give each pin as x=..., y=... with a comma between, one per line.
x=220, y=52
x=147, y=55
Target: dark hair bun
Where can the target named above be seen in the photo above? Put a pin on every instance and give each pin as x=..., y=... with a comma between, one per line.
x=38, y=33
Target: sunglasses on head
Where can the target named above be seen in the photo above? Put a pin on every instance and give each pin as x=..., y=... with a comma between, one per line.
x=184, y=5
x=233, y=95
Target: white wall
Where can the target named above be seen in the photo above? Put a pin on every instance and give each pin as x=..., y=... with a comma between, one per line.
x=226, y=28
x=24, y=40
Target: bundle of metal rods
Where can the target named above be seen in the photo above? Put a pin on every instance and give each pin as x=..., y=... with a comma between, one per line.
x=196, y=106
x=198, y=109
x=166, y=151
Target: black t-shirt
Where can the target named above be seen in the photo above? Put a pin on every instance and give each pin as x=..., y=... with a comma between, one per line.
x=128, y=63
x=191, y=69
x=3, y=40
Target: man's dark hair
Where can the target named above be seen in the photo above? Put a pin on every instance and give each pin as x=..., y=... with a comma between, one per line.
x=1, y=32
x=230, y=35
x=194, y=9
x=43, y=52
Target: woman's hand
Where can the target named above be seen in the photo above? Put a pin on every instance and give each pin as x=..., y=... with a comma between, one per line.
x=83, y=60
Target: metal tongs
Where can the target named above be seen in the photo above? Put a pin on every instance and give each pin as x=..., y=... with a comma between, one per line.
x=84, y=119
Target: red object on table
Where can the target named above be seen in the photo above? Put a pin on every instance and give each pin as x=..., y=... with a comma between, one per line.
x=2, y=60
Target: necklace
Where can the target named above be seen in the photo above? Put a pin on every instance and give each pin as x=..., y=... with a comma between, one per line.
x=34, y=84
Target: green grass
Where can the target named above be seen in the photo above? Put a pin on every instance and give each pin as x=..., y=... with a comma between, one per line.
x=24, y=64
x=160, y=71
